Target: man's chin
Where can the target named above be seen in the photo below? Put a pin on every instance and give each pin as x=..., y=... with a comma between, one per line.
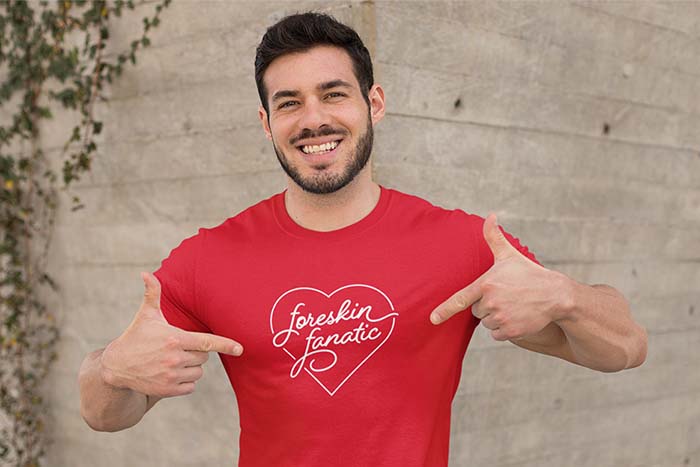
x=321, y=187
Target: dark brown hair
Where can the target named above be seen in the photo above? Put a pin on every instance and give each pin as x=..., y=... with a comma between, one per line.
x=302, y=31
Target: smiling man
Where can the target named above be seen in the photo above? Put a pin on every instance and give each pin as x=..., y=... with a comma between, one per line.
x=321, y=151
x=355, y=302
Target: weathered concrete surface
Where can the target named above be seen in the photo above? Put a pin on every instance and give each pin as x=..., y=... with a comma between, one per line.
x=492, y=106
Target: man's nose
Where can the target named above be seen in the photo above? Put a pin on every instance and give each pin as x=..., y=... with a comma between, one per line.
x=313, y=115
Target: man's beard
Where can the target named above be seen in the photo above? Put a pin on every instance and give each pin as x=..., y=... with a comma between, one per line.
x=323, y=182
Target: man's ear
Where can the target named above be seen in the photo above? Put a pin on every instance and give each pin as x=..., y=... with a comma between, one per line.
x=376, y=100
x=263, y=119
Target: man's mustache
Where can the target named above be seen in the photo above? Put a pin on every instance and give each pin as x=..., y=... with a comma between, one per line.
x=322, y=132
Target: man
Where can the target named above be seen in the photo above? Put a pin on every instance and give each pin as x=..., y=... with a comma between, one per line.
x=339, y=289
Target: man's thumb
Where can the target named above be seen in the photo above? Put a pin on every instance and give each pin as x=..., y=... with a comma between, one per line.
x=151, y=295
x=499, y=245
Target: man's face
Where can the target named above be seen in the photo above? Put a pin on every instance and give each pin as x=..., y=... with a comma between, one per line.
x=315, y=100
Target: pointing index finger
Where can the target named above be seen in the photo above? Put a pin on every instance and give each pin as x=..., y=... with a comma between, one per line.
x=459, y=301
x=206, y=342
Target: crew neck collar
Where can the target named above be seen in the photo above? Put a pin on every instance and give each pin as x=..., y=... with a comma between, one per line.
x=292, y=228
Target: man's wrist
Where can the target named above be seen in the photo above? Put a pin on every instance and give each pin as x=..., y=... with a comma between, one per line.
x=107, y=376
x=570, y=294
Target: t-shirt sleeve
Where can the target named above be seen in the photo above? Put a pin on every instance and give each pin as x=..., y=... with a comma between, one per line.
x=485, y=253
x=177, y=276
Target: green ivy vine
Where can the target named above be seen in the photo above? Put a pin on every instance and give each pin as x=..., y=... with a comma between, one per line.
x=36, y=53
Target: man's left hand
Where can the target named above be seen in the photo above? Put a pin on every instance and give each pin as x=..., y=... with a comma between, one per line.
x=515, y=298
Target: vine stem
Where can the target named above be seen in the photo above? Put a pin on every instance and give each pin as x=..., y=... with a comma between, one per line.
x=93, y=91
x=24, y=403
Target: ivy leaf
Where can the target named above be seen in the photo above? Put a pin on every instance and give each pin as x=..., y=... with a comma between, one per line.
x=75, y=136
x=67, y=97
x=62, y=67
x=45, y=51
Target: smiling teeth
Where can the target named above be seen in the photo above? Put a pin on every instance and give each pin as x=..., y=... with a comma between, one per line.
x=321, y=148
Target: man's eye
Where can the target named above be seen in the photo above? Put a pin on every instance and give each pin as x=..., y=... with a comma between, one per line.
x=285, y=104
x=333, y=94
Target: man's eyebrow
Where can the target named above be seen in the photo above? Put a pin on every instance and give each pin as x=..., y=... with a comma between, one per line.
x=333, y=84
x=284, y=93
x=321, y=87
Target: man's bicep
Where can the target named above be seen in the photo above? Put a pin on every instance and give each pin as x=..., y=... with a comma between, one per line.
x=174, y=304
x=177, y=277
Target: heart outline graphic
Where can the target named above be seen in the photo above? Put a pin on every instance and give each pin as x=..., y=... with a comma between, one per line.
x=393, y=314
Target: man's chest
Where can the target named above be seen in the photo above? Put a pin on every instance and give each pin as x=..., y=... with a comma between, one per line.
x=332, y=316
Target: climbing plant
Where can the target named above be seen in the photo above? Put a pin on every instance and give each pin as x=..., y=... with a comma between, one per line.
x=52, y=54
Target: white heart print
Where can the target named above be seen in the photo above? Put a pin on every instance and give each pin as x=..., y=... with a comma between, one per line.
x=330, y=336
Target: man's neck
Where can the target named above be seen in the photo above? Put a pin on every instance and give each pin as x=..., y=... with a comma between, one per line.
x=332, y=211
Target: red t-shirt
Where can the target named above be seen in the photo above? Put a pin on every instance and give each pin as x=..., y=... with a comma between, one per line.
x=342, y=366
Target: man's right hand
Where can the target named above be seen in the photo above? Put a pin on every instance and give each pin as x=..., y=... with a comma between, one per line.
x=155, y=358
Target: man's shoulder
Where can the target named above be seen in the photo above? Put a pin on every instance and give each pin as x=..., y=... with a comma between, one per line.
x=430, y=210
x=261, y=212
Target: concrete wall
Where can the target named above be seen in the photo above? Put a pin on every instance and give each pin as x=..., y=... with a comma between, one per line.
x=577, y=122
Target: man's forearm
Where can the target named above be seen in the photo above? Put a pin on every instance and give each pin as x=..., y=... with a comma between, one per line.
x=105, y=407
x=600, y=330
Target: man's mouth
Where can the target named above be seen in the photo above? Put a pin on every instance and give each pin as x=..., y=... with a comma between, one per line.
x=326, y=148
